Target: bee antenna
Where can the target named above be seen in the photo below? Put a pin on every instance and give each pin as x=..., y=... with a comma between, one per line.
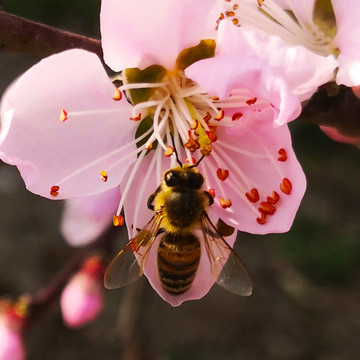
x=176, y=153
x=198, y=162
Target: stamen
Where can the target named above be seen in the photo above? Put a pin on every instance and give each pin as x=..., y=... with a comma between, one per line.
x=136, y=117
x=286, y=186
x=282, y=155
x=212, y=193
x=253, y=195
x=251, y=101
x=191, y=161
x=274, y=198
x=236, y=116
x=220, y=115
x=169, y=151
x=103, y=175
x=225, y=203
x=118, y=220
x=222, y=174
x=266, y=208
x=117, y=94
x=54, y=191
x=262, y=219
x=63, y=115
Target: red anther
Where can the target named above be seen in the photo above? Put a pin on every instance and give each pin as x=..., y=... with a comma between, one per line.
x=136, y=118
x=286, y=186
x=266, y=208
x=169, y=151
x=63, y=115
x=222, y=174
x=103, y=175
x=260, y=2
x=54, y=191
x=118, y=220
x=282, y=155
x=190, y=161
x=117, y=94
x=252, y=101
x=133, y=246
x=235, y=6
x=262, y=219
x=212, y=136
x=253, y=195
x=229, y=13
x=215, y=98
x=194, y=125
x=207, y=117
x=274, y=198
x=212, y=127
x=220, y=115
x=225, y=203
x=236, y=116
x=148, y=146
x=212, y=193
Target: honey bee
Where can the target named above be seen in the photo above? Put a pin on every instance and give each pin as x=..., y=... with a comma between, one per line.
x=180, y=207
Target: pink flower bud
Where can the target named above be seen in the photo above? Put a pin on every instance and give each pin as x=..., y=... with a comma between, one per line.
x=334, y=134
x=82, y=298
x=11, y=344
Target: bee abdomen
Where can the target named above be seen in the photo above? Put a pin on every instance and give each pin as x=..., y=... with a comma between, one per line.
x=178, y=261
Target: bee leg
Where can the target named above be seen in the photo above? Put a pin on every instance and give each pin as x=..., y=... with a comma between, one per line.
x=151, y=199
x=211, y=200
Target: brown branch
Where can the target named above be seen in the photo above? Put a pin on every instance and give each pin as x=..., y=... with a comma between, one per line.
x=341, y=111
x=53, y=290
x=21, y=35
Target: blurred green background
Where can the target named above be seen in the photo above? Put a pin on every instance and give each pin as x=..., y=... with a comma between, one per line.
x=306, y=301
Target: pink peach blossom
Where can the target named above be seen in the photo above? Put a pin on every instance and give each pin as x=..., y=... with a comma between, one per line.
x=76, y=137
x=336, y=135
x=82, y=299
x=11, y=342
x=295, y=23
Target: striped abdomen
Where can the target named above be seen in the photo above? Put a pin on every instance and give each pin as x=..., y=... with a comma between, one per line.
x=178, y=260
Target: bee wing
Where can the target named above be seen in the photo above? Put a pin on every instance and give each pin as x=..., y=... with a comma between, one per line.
x=125, y=268
x=226, y=267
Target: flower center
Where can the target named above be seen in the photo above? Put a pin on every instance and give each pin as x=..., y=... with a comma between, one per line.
x=295, y=25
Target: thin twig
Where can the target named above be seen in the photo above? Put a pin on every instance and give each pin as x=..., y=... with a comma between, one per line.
x=53, y=290
x=21, y=35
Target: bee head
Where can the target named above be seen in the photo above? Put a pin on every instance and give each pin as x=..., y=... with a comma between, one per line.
x=187, y=177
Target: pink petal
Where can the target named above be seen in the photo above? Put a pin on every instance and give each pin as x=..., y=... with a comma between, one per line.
x=11, y=345
x=334, y=134
x=82, y=300
x=302, y=70
x=221, y=75
x=347, y=15
x=254, y=159
x=70, y=154
x=303, y=9
x=146, y=32
x=85, y=219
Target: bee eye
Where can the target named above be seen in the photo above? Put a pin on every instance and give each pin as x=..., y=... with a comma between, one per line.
x=171, y=179
x=196, y=181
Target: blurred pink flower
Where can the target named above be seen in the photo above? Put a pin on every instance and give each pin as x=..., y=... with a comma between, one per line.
x=233, y=106
x=11, y=342
x=336, y=135
x=82, y=299
x=297, y=24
